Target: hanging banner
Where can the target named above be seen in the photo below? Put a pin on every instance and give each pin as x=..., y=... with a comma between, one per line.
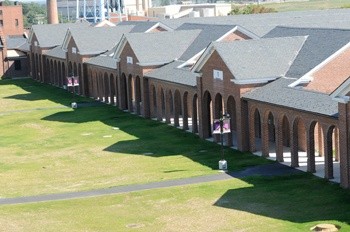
x=76, y=81
x=69, y=81
x=226, y=127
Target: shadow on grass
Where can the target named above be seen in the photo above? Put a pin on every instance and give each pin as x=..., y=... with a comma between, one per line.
x=154, y=138
x=298, y=198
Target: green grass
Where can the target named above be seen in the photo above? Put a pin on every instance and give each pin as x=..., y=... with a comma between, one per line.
x=46, y=147
x=251, y=204
x=308, y=5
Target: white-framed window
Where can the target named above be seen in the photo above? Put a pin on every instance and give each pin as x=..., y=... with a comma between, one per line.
x=218, y=74
x=129, y=60
x=74, y=50
x=35, y=43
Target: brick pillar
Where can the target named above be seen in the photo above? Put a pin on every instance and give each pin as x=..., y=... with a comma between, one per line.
x=129, y=95
x=145, y=98
x=185, y=113
x=327, y=151
x=294, y=145
x=159, y=106
x=279, y=141
x=252, y=147
x=265, y=139
x=310, y=149
x=242, y=127
x=194, y=116
x=167, y=107
x=344, y=146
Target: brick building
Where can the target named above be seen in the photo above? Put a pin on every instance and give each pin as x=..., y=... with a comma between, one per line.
x=14, y=46
x=283, y=78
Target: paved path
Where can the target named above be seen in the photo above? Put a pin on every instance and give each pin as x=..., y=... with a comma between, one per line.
x=274, y=169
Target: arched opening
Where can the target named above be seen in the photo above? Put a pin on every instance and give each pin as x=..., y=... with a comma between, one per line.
x=207, y=115
x=218, y=111
x=112, y=89
x=51, y=78
x=131, y=96
x=123, y=93
x=195, y=113
x=330, y=151
x=185, y=112
x=138, y=95
x=177, y=108
x=169, y=106
x=55, y=76
x=154, y=110
x=82, y=84
x=298, y=143
x=231, y=110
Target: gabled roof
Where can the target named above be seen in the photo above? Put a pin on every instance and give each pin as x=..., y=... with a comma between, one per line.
x=260, y=24
x=209, y=33
x=15, y=41
x=51, y=35
x=320, y=45
x=158, y=48
x=144, y=26
x=103, y=61
x=256, y=61
x=170, y=73
x=57, y=52
x=95, y=40
x=278, y=93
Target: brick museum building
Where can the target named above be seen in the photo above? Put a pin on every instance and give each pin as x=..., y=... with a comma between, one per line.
x=282, y=78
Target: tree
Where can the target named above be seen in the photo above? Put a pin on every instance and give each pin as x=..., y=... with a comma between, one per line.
x=251, y=9
x=33, y=13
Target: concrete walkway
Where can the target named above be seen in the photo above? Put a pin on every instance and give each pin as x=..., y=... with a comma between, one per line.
x=274, y=169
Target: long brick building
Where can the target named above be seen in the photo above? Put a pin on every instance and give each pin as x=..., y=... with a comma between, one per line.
x=283, y=78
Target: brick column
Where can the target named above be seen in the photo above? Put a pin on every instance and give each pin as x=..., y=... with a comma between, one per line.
x=279, y=140
x=344, y=146
x=185, y=113
x=327, y=151
x=243, y=127
x=310, y=149
x=265, y=139
x=145, y=98
x=294, y=145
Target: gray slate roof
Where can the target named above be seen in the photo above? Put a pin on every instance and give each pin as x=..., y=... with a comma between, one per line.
x=263, y=58
x=320, y=44
x=161, y=47
x=260, y=24
x=95, y=40
x=171, y=73
x=209, y=33
x=278, y=93
x=103, y=61
x=57, y=52
x=139, y=26
x=51, y=35
x=14, y=42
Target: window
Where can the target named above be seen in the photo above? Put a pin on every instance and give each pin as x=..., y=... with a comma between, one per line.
x=1, y=23
x=18, y=65
x=129, y=60
x=16, y=22
x=74, y=50
x=217, y=74
x=0, y=12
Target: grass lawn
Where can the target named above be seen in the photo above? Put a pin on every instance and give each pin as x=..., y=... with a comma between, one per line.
x=308, y=5
x=251, y=204
x=46, y=147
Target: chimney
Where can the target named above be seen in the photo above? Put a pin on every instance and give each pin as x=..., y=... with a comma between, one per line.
x=52, y=15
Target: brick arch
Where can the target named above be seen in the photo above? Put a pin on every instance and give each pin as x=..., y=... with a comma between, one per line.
x=55, y=75
x=310, y=130
x=329, y=148
x=185, y=111
x=130, y=93
x=195, y=113
x=206, y=114
x=177, y=107
x=90, y=82
x=298, y=140
x=162, y=103
x=137, y=90
x=51, y=76
x=169, y=106
x=123, y=92
x=106, y=88
x=268, y=132
x=36, y=68
x=255, y=130
x=82, y=86
x=153, y=101
x=64, y=74
x=113, y=88
x=231, y=110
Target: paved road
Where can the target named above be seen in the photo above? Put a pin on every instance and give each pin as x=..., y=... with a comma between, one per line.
x=274, y=169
